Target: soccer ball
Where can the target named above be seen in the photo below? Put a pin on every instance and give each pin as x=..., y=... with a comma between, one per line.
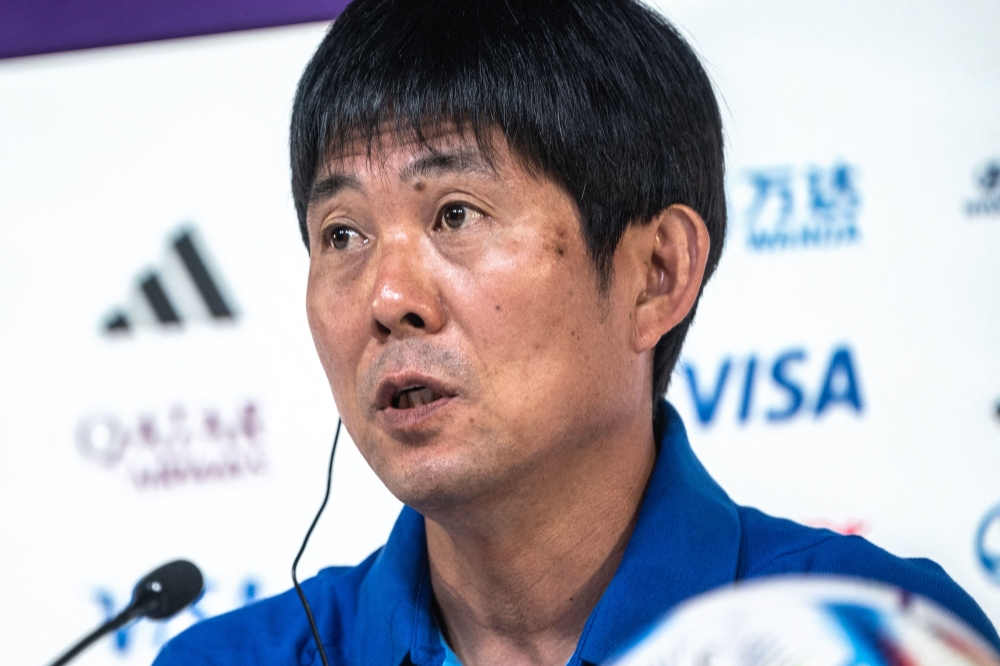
x=810, y=621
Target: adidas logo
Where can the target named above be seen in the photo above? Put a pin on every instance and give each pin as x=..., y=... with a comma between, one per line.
x=184, y=287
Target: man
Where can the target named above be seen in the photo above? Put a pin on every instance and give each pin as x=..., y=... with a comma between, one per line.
x=511, y=207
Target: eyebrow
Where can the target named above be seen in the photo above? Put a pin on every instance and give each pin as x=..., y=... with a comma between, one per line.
x=331, y=185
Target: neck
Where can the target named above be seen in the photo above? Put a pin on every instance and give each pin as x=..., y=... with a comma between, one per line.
x=516, y=577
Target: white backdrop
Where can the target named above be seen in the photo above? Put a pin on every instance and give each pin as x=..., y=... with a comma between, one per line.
x=859, y=285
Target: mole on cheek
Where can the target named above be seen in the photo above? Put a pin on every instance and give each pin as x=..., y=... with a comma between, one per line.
x=498, y=308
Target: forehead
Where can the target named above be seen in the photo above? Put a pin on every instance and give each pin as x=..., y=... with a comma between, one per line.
x=410, y=159
x=404, y=153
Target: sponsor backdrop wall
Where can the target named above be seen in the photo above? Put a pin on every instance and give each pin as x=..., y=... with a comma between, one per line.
x=161, y=395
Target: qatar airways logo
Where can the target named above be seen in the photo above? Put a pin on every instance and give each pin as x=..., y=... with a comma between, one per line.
x=795, y=383
x=790, y=206
x=178, y=445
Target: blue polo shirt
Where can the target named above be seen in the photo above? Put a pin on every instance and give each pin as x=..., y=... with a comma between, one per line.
x=689, y=538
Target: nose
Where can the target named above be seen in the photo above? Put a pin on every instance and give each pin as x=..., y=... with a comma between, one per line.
x=405, y=299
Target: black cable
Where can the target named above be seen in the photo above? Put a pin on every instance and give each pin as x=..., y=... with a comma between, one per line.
x=118, y=621
x=295, y=564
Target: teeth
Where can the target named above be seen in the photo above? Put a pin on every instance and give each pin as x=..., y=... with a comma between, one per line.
x=422, y=397
x=418, y=396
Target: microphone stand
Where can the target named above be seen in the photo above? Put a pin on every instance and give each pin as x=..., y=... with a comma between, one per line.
x=117, y=622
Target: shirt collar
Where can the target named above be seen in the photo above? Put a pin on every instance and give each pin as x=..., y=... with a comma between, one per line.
x=395, y=613
x=686, y=541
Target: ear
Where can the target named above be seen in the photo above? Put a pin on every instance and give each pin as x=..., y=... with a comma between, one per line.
x=674, y=248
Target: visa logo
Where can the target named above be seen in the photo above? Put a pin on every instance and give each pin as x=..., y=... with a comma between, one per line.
x=787, y=395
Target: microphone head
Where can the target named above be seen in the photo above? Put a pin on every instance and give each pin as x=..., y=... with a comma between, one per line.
x=167, y=590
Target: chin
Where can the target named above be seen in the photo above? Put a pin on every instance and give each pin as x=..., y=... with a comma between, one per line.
x=439, y=482
x=431, y=491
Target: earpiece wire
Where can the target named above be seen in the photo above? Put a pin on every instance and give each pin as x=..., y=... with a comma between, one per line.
x=295, y=564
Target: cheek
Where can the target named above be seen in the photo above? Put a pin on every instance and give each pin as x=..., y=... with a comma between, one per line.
x=535, y=302
x=334, y=323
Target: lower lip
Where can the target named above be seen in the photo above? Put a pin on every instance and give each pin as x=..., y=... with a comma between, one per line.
x=402, y=420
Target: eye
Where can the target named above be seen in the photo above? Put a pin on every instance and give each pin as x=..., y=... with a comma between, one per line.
x=457, y=215
x=340, y=237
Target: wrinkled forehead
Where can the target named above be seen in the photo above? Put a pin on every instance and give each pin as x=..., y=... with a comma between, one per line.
x=393, y=148
x=412, y=154
x=392, y=157
x=406, y=160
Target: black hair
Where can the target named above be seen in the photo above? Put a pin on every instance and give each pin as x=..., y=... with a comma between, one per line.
x=603, y=96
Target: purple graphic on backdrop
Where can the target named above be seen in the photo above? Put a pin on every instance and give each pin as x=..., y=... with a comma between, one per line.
x=29, y=27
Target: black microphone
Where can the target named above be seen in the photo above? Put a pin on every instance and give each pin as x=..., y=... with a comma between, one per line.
x=159, y=595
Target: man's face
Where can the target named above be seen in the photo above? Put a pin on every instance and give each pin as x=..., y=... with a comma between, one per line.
x=457, y=314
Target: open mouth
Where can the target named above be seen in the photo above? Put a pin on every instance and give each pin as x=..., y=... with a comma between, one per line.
x=414, y=396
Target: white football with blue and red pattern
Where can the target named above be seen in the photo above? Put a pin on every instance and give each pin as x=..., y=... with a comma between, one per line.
x=811, y=621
